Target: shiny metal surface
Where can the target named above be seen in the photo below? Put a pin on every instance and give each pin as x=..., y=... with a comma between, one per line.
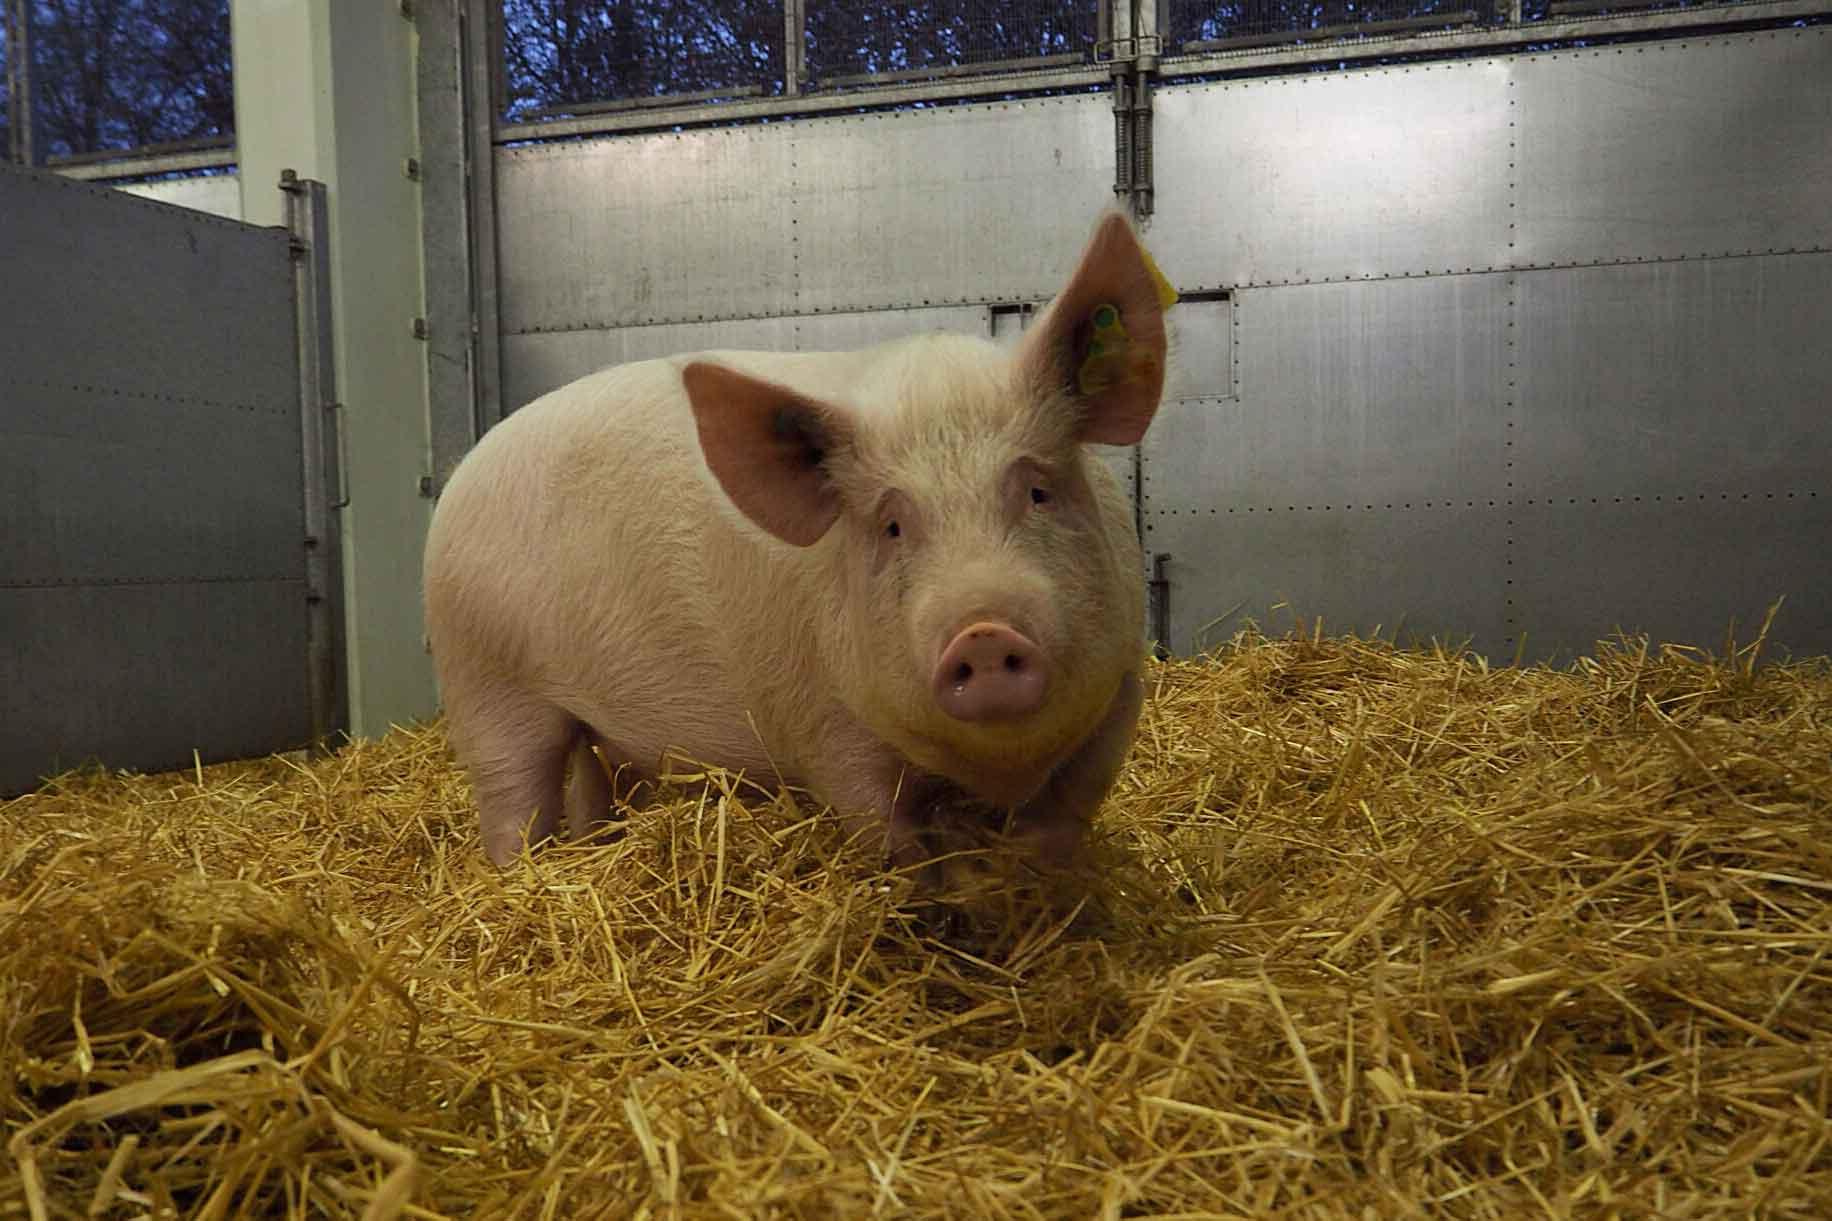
x=1698, y=378
x=681, y=227
x=535, y=364
x=1679, y=570
x=962, y=204
x=1375, y=395
x=1354, y=472
x=1328, y=176
x=1676, y=149
x=1419, y=573
x=152, y=583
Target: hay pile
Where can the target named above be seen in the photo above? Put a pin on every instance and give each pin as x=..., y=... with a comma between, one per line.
x=1380, y=932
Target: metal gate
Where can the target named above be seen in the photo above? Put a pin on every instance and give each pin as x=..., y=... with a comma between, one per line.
x=168, y=554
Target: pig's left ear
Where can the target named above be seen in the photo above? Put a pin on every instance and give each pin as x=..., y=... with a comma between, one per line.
x=1102, y=340
x=768, y=447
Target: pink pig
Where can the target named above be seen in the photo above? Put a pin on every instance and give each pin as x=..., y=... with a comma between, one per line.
x=888, y=577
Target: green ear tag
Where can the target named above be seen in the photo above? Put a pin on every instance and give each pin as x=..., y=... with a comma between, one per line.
x=1106, y=351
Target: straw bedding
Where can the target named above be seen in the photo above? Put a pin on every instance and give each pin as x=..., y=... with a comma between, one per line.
x=1375, y=932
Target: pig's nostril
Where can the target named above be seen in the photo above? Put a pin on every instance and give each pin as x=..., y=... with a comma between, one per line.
x=963, y=672
x=1013, y=662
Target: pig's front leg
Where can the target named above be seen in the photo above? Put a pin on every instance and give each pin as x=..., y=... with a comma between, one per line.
x=883, y=799
x=1055, y=822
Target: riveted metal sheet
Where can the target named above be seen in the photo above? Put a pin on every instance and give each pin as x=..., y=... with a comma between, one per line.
x=1378, y=395
x=535, y=364
x=1679, y=570
x=1418, y=574
x=958, y=204
x=152, y=574
x=677, y=227
x=1202, y=350
x=1675, y=149
x=141, y=675
x=843, y=332
x=99, y=281
x=1328, y=176
x=1703, y=377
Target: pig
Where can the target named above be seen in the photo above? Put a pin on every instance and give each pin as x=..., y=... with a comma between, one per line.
x=888, y=578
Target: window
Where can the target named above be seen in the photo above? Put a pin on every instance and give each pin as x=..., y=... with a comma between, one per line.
x=108, y=77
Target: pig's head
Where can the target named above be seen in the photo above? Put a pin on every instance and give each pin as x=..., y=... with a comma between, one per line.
x=986, y=587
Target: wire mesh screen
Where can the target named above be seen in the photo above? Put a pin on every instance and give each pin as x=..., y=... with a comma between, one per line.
x=850, y=40
x=1206, y=24
x=6, y=96
x=110, y=76
x=575, y=56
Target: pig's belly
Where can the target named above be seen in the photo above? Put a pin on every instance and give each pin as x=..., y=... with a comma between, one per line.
x=675, y=731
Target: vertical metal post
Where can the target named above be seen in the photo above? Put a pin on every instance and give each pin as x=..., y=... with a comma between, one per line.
x=794, y=46
x=480, y=35
x=320, y=429
x=19, y=80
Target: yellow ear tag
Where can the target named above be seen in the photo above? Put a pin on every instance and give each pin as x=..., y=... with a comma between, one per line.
x=1106, y=351
x=1167, y=296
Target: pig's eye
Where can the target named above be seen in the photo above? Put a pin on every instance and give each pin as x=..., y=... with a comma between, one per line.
x=892, y=530
x=1040, y=496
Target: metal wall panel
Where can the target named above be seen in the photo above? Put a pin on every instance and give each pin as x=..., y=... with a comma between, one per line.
x=534, y=364
x=152, y=578
x=71, y=246
x=1677, y=149
x=1358, y=473
x=679, y=227
x=1342, y=175
x=1202, y=350
x=1679, y=570
x=1418, y=573
x=139, y=676
x=1703, y=377
x=217, y=194
x=1370, y=394
x=898, y=210
x=964, y=203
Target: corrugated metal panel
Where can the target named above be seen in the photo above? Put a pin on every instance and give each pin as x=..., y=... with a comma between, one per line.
x=1376, y=394
x=1694, y=378
x=152, y=581
x=1679, y=570
x=1675, y=150
x=964, y=203
x=679, y=227
x=1389, y=172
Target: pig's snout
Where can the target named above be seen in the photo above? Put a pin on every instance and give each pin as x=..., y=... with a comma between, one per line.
x=990, y=673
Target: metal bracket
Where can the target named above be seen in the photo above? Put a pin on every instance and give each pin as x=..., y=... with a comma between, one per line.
x=1133, y=51
x=1159, y=586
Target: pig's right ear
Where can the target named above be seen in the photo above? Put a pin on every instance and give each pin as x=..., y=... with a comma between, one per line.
x=767, y=446
x=1102, y=341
